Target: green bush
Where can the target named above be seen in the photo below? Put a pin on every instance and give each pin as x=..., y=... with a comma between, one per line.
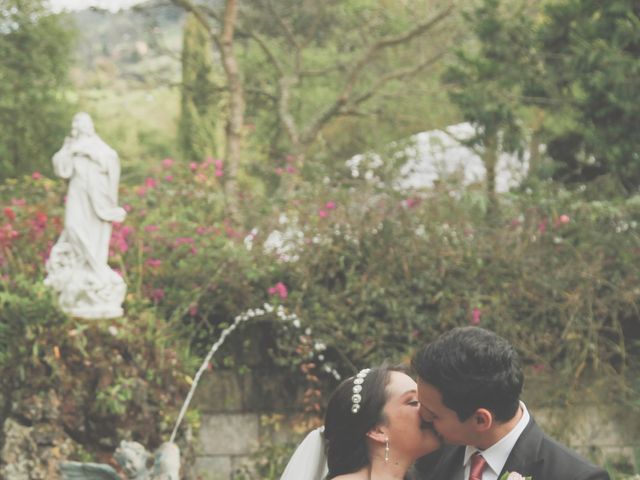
x=358, y=274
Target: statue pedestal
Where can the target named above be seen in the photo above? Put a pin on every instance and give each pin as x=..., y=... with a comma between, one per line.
x=94, y=313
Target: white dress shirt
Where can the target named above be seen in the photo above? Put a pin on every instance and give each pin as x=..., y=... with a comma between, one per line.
x=496, y=455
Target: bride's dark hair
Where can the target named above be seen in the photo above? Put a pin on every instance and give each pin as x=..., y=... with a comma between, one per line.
x=345, y=432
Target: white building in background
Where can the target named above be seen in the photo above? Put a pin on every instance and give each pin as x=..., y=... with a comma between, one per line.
x=441, y=155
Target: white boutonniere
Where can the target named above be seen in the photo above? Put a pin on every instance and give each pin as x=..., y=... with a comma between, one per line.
x=514, y=476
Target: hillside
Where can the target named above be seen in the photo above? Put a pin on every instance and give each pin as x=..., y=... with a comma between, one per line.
x=139, y=45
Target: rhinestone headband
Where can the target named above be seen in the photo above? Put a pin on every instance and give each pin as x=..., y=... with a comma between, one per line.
x=356, y=398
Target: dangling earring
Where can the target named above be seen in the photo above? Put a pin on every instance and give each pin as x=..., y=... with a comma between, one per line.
x=386, y=450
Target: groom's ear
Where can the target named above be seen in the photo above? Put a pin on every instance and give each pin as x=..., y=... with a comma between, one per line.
x=482, y=419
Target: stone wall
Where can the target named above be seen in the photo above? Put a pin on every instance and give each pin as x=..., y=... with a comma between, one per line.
x=233, y=407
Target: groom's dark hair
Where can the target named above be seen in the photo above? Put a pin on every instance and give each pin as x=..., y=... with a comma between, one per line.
x=473, y=368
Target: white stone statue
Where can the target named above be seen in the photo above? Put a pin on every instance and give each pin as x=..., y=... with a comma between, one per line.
x=135, y=462
x=77, y=267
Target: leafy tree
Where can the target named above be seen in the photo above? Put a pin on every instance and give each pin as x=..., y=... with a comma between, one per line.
x=319, y=64
x=592, y=56
x=304, y=69
x=223, y=39
x=35, y=48
x=197, y=127
x=493, y=79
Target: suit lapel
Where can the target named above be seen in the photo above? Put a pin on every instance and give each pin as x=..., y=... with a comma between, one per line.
x=524, y=457
x=450, y=466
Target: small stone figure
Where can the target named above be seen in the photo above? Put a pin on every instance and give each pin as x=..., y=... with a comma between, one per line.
x=77, y=267
x=134, y=460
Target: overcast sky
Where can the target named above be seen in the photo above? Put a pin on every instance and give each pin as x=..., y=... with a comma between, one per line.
x=113, y=5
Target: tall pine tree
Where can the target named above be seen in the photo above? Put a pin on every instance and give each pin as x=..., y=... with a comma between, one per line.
x=199, y=104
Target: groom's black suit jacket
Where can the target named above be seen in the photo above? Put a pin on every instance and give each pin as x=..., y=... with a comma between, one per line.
x=535, y=454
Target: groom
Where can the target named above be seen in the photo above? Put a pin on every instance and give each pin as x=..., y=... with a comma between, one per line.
x=469, y=386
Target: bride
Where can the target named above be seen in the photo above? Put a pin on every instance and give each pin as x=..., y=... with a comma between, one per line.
x=372, y=431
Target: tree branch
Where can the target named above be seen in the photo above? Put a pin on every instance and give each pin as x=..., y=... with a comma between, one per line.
x=344, y=97
x=387, y=42
x=402, y=73
x=267, y=51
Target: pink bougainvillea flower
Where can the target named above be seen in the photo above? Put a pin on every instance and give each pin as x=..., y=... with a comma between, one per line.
x=150, y=182
x=127, y=207
x=201, y=230
x=539, y=367
x=279, y=289
x=475, y=316
x=322, y=213
x=47, y=251
x=18, y=202
x=141, y=191
x=153, y=262
x=119, y=236
x=41, y=219
x=410, y=202
x=7, y=233
x=563, y=219
x=151, y=228
x=183, y=241
x=157, y=294
x=218, y=165
x=39, y=223
x=291, y=169
x=169, y=178
x=36, y=175
x=9, y=213
x=168, y=162
x=542, y=226
x=330, y=205
x=193, y=166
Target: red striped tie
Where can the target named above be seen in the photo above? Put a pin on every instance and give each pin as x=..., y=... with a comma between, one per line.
x=477, y=466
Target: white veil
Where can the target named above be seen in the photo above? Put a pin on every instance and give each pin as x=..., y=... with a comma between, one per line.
x=309, y=461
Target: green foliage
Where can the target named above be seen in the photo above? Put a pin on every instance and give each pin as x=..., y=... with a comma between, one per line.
x=490, y=74
x=592, y=55
x=269, y=463
x=323, y=53
x=124, y=378
x=372, y=274
x=145, y=129
x=113, y=378
x=199, y=104
x=354, y=276
x=36, y=50
x=568, y=70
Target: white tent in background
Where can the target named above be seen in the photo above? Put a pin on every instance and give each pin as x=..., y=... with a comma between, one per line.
x=440, y=155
